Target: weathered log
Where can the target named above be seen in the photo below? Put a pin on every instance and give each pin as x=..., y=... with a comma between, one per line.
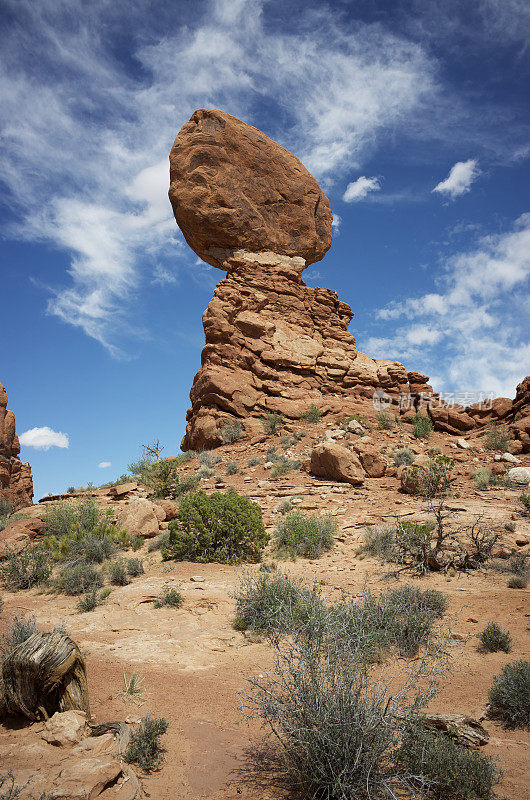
x=465, y=730
x=42, y=675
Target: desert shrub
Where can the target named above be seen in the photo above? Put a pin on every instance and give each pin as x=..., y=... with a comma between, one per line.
x=493, y=638
x=408, y=614
x=272, y=454
x=496, y=437
x=19, y=628
x=413, y=543
x=204, y=472
x=434, y=481
x=70, y=490
x=254, y=461
x=135, y=567
x=298, y=535
x=231, y=433
x=29, y=567
x=268, y=602
x=446, y=767
x=225, y=527
x=6, y=512
x=380, y=542
x=287, y=441
x=159, y=542
x=284, y=506
x=313, y=414
x=81, y=532
x=90, y=601
x=403, y=455
x=145, y=748
x=385, y=421
x=118, y=572
x=79, y=579
x=282, y=465
x=187, y=455
x=509, y=696
x=524, y=500
x=517, y=582
x=516, y=564
x=185, y=484
x=169, y=597
x=84, y=515
x=232, y=468
x=482, y=477
x=336, y=722
x=272, y=423
x=422, y=426
x=208, y=459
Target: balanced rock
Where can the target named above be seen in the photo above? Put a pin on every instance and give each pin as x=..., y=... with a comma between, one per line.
x=16, y=482
x=233, y=188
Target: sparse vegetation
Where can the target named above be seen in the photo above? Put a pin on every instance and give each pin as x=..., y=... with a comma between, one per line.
x=169, y=597
x=159, y=476
x=493, y=638
x=118, y=572
x=482, y=478
x=135, y=567
x=422, y=426
x=232, y=468
x=187, y=455
x=208, y=459
x=298, y=535
x=403, y=455
x=524, y=500
x=145, y=748
x=81, y=532
x=496, y=437
x=313, y=414
x=204, y=472
x=225, y=527
x=29, y=567
x=18, y=629
x=232, y=432
x=509, y=696
x=92, y=600
x=272, y=423
x=79, y=579
x=517, y=582
x=254, y=461
x=447, y=768
x=6, y=512
x=385, y=420
x=159, y=542
x=274, y=602
x=132, y=687
x=282, y=465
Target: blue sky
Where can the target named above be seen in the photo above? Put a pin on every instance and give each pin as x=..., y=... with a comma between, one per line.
x=413, y=115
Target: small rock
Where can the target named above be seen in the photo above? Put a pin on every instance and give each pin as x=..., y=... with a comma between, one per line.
x=462, y=444
x=197, y=579
x=510, y=458
x=519, y=475
x=522, y=540
x=472, y=619
x=459, y=637
x=65, y=728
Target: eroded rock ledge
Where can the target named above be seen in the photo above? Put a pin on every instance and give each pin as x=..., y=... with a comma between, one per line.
x=16, y=482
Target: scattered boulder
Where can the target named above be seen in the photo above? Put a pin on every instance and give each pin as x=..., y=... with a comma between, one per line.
x=65, y=728
x=123, y=489
x=141, y=517
x=335, y=462
x=371, y=459
x=170, y=508
x=519, y=475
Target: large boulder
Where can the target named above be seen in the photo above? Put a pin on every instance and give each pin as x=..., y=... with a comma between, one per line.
x=371, y=459
x=233, y=188
x=335, y=462
x=140, y=517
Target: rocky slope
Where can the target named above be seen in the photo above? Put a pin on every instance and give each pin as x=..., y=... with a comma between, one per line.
x=16, y=482
x=249, y=207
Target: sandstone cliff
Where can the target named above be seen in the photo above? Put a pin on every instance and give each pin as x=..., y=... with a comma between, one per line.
x=16, y=483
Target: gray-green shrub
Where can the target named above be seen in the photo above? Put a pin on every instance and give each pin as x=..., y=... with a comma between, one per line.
x=299, y=535
x=494, y=638
x=403, y=455
x=26, y=568
x=272, y=423
x=144, y=747
x=78, y=579
x=232, y=468
x=509, y=696
x=232, y=432
x=169, y=597
x=497, y=437
x=422, y=426
x=313, y=414
x=268, y=602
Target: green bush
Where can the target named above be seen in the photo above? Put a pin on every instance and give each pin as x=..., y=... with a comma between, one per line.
x=224, y=527
x=231, y=433
x=204, y=472
x=118, y=573
x=298, y=535
x=266, y=603
x=515, y=565
x=422, y=426
x=448, y=768
x=187, y=455
x=509, y=696
x=81, y=532
x=145, y=748
x=183, y=485
x=497, y=437
x=482, y=477
x=385, y=421
x=493, y=638
x=403, y=455
x=435, y=479
x=79, y=579
x=169, y=597
x=272, y=423
x=18, y=629
x=135, y=567
x=254, y=461
x=408, y=614
x=313, y=414
x=232, y=468
x=29, y=567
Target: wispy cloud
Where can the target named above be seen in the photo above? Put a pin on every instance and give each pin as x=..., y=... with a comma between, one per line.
x=459, y=180
x=479, y=314
x=104, y=464
x=43, y=438
x=359, y=189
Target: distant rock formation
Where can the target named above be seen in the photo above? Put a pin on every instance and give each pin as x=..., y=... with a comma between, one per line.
x=16, y=483
x=248, y=206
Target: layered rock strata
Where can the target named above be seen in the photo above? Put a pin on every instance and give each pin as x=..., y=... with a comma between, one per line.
x=16, y=482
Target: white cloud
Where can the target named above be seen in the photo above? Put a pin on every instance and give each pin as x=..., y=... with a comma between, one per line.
x=459, y=180
x=479, y=314
x=43, y=438
x=104, y=464
x=357, y=190
x=336, y=222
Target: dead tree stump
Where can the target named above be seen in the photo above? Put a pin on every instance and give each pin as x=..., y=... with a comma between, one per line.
x=42, y=675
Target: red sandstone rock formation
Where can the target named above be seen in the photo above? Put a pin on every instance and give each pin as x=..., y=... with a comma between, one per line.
x=248, y=206
x=16, y=483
